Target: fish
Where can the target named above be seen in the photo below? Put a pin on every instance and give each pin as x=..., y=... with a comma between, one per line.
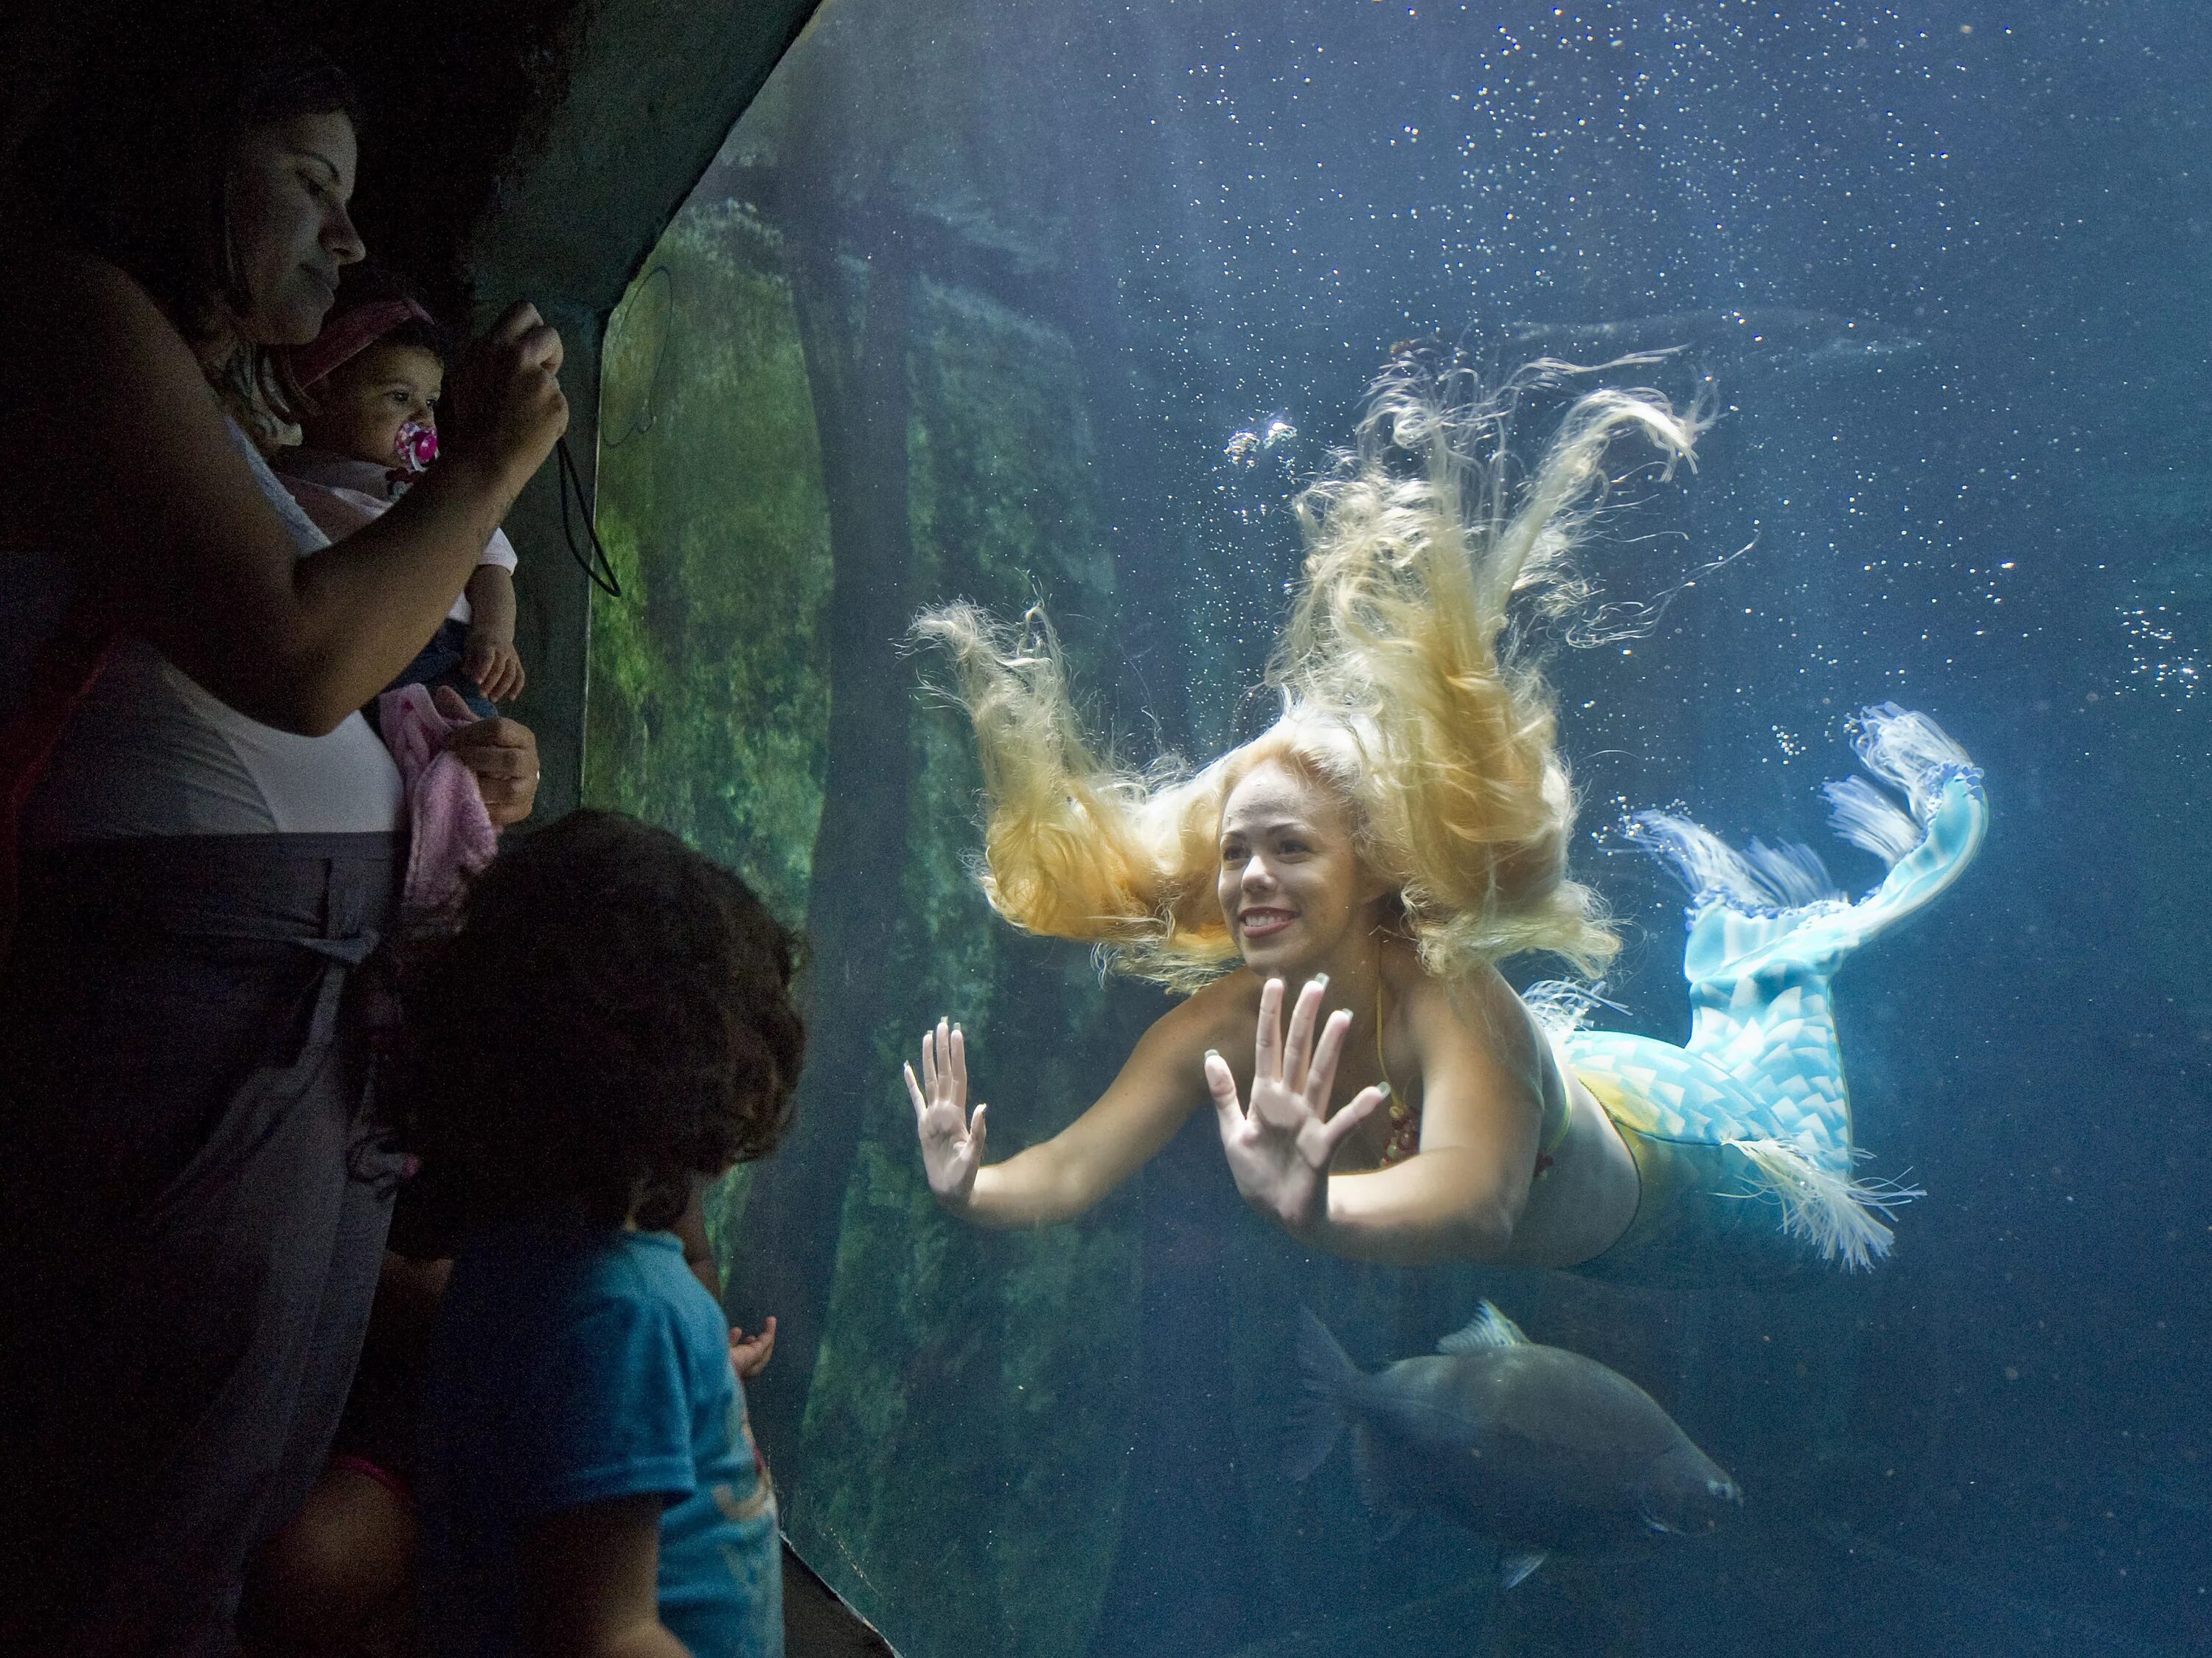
x=1536, y=1448
x=1818, y=340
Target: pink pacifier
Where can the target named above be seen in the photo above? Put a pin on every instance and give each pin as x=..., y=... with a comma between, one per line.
x=418, y=446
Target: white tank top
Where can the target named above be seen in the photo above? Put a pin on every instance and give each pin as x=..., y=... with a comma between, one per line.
x=148, y=751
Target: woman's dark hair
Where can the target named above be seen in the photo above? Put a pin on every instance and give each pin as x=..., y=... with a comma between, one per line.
x=607, y=1016
x=134, y=157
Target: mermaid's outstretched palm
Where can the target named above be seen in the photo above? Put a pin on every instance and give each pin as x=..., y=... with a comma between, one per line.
x=952, y=1141
x=1279, y=1151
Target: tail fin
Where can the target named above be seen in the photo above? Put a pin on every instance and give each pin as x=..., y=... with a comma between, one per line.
x=1914, y=756
x=1867, y=818
x=1910, y=752
x=1756, y=879
x=1319, y=1416
x=1842, y=1217
x=1927, y=847
x=1768, y=906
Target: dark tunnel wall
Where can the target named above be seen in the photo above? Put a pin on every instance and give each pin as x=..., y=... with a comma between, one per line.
x=637, y=95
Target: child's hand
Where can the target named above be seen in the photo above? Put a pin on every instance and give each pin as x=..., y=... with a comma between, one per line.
x=749, y=1356
x=493, y=665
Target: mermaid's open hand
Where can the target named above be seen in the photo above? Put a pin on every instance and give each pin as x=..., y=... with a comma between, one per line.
x=1279, y=1151
x=951, y=1142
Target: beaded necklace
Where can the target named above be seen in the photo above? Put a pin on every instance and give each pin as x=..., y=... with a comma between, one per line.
x=1405, y=1127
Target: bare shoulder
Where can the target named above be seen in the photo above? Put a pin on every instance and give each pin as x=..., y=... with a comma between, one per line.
x=75, y=308
x=1214, y=1017
x=1481, y=1008
x=101, y=374
x=97, y=385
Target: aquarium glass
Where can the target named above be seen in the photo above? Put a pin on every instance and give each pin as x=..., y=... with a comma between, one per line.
x=1062, y=302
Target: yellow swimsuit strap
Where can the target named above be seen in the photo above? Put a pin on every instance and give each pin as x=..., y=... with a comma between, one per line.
x=1405, y=1127
x=1381, y=1063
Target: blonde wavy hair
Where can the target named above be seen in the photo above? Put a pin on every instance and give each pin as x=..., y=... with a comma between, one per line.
x=1407, y=689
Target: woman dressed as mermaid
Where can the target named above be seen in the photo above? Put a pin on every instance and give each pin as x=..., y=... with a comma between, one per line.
x=1373, y=856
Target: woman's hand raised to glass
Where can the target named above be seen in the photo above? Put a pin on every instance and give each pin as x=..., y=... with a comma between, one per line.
x=1279, y=1151
x=952, y=1141
x=506, y=408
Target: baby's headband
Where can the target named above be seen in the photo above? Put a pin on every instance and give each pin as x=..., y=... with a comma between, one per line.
x=349, y=333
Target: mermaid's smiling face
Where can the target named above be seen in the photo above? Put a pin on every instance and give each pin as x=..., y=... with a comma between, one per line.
x=1290, y=882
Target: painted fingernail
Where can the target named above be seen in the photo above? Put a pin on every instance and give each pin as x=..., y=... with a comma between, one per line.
x=1384, y=1090
x=1321, y=980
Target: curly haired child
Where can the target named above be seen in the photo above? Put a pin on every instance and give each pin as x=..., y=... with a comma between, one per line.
x=610, y=1023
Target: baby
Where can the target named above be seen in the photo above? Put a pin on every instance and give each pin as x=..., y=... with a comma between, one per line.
x=368, y=390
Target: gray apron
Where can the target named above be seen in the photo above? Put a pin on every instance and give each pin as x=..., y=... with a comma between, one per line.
x=193, y=1212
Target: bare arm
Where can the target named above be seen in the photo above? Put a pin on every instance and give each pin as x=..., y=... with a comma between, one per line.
x=139, y=482
x=1440, y=1206
x=690, y=1229
x=1158, y=1088
x=491, y=602
x=1462, y=1197
x=588, y=1580
x=749, y=1355
x=491, y=659
x=405, y=1309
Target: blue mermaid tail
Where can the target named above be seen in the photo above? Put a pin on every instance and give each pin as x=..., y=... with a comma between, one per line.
x=1744, y=1137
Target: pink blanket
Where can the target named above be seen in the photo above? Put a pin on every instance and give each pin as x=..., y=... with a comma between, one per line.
x=451, y=835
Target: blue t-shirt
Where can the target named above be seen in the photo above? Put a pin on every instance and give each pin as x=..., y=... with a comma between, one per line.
x=575, y=1366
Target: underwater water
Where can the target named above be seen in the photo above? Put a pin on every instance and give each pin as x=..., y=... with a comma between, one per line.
x=1060, y=299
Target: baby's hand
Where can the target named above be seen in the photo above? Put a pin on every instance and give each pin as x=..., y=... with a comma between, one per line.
x=749, y=1356
x=493, y=665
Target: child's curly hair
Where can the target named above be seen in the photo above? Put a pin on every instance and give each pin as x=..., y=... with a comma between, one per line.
x=606, y=1016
